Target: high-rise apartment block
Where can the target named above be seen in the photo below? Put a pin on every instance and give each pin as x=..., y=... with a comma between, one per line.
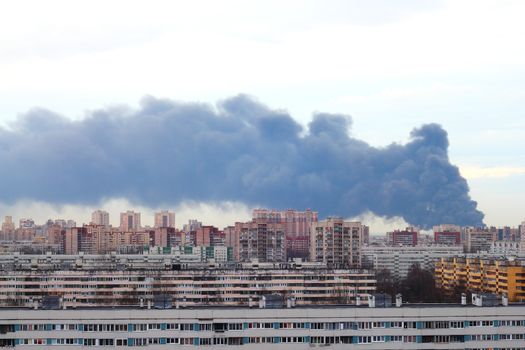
x=129, y=221
x=261, y=240
x=8, y=229
x=296, y=226
x=164, y=218
x=337, y=243
x=100, y=217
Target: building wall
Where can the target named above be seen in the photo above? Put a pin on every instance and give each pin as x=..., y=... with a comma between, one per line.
x=418, y=327
x=218, y=286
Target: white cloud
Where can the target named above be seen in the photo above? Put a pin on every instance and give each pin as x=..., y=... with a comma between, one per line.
x=475, y=172
x=379, y=224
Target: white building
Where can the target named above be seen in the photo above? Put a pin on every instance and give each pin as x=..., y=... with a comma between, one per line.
x=398, y=260
x=505, y=248
x=301, y=328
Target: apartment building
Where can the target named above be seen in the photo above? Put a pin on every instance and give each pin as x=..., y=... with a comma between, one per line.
x=130, y=221
x=296, y=226
x=100, y=218
x=479, y=239
x=447, y=234
x=336, y=242
x=261, y=240
x=407, y=237
x=399, y=259
x=115, y=279
x=164, y=218
x=293, y=328
x=499, y=276
x=8, y=229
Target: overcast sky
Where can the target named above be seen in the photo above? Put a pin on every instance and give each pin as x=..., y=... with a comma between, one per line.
x=391, y=65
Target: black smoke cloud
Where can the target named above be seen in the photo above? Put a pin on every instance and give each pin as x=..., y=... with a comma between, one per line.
x=167, y=152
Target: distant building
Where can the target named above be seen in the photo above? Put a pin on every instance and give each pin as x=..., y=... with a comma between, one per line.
x=100, y=217
x=479, y=239
x=505, y=248
x=129, y=221
x=231, y=239
x=447, y=234
x=296, y=226
x=261, y=241
x=399, y=259
x=8, y=229
x=407, y=237
x=164, y=218
x=336, y=242
x=26, y=223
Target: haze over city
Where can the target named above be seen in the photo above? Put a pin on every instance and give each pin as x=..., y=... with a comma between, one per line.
x=221, y=106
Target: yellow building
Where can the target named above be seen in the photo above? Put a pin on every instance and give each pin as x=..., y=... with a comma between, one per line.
x=475, y=275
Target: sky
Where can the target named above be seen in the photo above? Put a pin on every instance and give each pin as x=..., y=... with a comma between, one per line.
x=391, y=65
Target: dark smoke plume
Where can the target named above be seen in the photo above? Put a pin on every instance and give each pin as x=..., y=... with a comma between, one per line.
x=167, y=152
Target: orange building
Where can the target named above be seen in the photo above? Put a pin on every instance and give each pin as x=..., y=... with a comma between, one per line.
x=498, y=276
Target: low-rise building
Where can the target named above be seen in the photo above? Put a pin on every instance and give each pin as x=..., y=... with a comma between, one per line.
x=114, y=279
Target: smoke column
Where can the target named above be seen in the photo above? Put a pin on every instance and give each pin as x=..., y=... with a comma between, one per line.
x=167, y=152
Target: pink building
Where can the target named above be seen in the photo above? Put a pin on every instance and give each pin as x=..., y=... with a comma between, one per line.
x=296, y=226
